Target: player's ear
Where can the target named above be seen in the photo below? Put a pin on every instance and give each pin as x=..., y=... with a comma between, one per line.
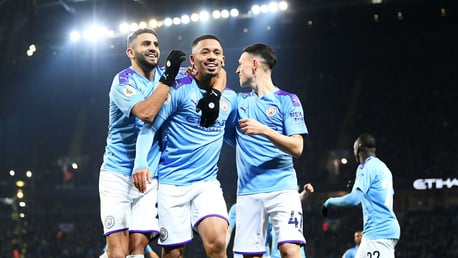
x=130, y=52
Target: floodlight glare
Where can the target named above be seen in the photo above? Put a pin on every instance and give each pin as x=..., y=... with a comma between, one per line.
x=283, y=5
x=168, y=21
x=234, y=12
x=185, y=19
x=216, y=14
x=75, y=165
x=264, y=8
x=204, y=16
x=195, y=17
x=124, y=28
x=225, y=13
x=176, y=21
x=12, y=172
x=133, y=26
x=142, y=25
x=255, y=9
x=273, y=7
x=152, y=23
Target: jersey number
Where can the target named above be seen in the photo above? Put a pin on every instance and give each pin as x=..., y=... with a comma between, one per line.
x=375, y=254
x=296, y=220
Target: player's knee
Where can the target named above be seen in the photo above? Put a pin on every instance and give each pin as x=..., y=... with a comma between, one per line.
x=215, y=246
x=290, y=250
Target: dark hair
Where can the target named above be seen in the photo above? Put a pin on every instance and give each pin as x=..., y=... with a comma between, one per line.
x=264, y=51
x=135, y=34
x=367, y=141
x=203, y=37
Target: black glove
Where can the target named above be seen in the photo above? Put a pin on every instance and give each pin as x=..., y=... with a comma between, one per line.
x=209, y=104
x=324, y=211
x=174, y=60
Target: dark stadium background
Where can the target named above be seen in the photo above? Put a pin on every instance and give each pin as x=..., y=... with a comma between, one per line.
x=395, y=77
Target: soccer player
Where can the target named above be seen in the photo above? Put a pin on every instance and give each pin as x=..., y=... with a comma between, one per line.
x=373, y=188
x=351, y=253
x=269, y=133
x=190, y=197
x=136, y=95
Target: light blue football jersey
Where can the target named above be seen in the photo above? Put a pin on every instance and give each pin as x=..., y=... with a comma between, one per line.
x=375, y=180
x=127, y=89
x=261, y=166
x=190, y=152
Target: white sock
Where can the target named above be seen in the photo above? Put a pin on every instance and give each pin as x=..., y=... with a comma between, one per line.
x=135, y=256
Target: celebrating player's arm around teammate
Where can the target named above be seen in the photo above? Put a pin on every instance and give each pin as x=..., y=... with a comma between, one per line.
x=190, y=197
x=136, y=95
x=373, y=188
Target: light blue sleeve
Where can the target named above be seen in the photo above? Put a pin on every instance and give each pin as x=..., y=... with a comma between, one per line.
x=353, y=198
x=230, y=129
x=143, y=145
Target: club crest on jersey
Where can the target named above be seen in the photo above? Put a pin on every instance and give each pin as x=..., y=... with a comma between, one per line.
x=168, y=99
x=109, y=221
x=164, y=234
x=271, y=111
x=129, y=91
x=224, y=106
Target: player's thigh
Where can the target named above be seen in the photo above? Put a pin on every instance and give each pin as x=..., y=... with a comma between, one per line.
x=144, y=210
x=285, y=210
x=251, y=224
x=115, y=202
x=379, y=248
x=174, y=214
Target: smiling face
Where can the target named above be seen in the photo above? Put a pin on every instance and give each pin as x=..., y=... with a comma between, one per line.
x=245, y=70
x=207, y=58
x=144, y=51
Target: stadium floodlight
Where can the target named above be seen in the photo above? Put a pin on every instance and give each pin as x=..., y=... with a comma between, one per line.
x=168, y=21
x=216, y=14
x=28, y=173
x=185, y=19
x=124, y=28
x=256, y=9
x=264, y=8
x=142, y=25
x=204, y=16
x=273, y=7
x=234, y=12
x=195, y=17
x=283, y=5
x=153, y=23
x=176, y=21
x=12, y=172
x=75, y=36
x=225, y=13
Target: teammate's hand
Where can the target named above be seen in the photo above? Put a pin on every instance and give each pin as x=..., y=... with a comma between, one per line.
x=209, y=105
x=324, y=211
x=172, y=66
x=141, y=178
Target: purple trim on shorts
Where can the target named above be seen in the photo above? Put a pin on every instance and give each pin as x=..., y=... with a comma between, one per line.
x=115, y=231
x=301, y=243
x=250, y=253
x=177, y=244
x=144, y=231
x=210, y=215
